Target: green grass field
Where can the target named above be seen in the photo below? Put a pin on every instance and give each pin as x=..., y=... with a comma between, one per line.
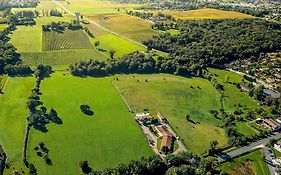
x=233, y=96
x=243, y=128
x=174, y=97
x=2, y=26
x=13, y=116
x=206, y=13
x=69, y=39
x=27, y=39
x=107, y=138
x=249, y=164
x=128, y=26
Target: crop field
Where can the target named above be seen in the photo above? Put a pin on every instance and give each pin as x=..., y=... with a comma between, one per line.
x=249, y=164
x=233, y=96
x=177, y=97
x=47, y=5
x=49, y=19
x=206, y=13
x=107, y=138
x=128, y=26
x=61, y=57
x=96, y=6
x=27, y=39
x=67, y=40
x=13, y=116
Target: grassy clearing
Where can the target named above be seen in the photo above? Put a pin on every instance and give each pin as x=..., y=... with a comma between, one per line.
x=96, y=7
x=175, y=98
x=27, y=39
x=67, y=40
x=243, y=128
x=61, y=57
x=128, y=26
x=233, y=96
x=13, y=115
x=107, y=138
x=249, y=164
x=206, y=13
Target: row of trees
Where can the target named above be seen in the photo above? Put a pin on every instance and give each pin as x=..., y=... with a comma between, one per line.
x=136, y=62
x=185, y=163
x=61, y=26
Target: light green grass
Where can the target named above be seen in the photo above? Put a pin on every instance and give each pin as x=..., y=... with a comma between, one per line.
x=67, y=40
x=49, y=19
x=243, y=128
x=3, y=26
x=27, y=39
x=233, y=96
x=61, y=57
x=120, y=45
x=173, y=96
x=256, y=158
x=276, y=152
x=107, y=138
x=13, y=116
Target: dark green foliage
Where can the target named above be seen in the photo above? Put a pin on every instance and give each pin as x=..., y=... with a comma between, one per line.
x=86, y=109
x=55, y=12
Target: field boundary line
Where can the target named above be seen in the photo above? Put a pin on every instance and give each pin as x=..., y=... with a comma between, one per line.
x=4, y=86
x=119, y=92
x=98, y=25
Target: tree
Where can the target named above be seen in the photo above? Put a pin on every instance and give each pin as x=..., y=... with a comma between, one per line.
x=213, y=147
x=97, y=43
x=187, y=117
x=111, y=53
x=85, y=167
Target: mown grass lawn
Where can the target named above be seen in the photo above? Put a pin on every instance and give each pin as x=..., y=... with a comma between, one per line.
x=13, y=114
x=243, y=128
x=175, y=98
x=249, y=164
x=106, y=139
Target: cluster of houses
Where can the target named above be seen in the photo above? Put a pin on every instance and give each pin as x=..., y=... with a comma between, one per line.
x=161, y=127
x=272, y=124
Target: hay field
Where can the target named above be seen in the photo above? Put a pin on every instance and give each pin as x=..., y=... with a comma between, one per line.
x=128, y=26
x=206, y=13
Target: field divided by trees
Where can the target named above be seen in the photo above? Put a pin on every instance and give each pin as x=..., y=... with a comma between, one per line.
x=67, y=40
x=105, y=139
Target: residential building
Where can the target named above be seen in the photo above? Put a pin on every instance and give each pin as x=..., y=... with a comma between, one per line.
x=271, y=124
x=277, y=146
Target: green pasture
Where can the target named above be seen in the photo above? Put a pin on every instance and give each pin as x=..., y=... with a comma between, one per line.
x=106, y=139
x=13, y=116
x=177, y=97
x=249, y=164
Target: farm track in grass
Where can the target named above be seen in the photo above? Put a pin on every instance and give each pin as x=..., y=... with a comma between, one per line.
x=206, y=13
x=67, y=40
x=176, y=97
x=106, y=139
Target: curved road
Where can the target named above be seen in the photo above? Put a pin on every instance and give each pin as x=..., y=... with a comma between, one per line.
x=98, y=25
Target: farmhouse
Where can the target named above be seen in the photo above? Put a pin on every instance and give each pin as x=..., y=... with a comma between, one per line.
x=271, y=124
x=277, y=146
x=143, y=117
x=168, y=137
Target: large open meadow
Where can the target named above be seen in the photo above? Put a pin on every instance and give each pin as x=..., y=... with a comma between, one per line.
x=128, y=26
x=206, y=13
x=13, y=116
x=107, y=138
x=177, y=97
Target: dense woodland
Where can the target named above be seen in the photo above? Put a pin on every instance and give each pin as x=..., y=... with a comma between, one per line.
x=216, y=42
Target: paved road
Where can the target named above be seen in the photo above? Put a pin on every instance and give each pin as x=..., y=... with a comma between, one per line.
x=98, y=25
x=268, y=160
x=244, y=149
